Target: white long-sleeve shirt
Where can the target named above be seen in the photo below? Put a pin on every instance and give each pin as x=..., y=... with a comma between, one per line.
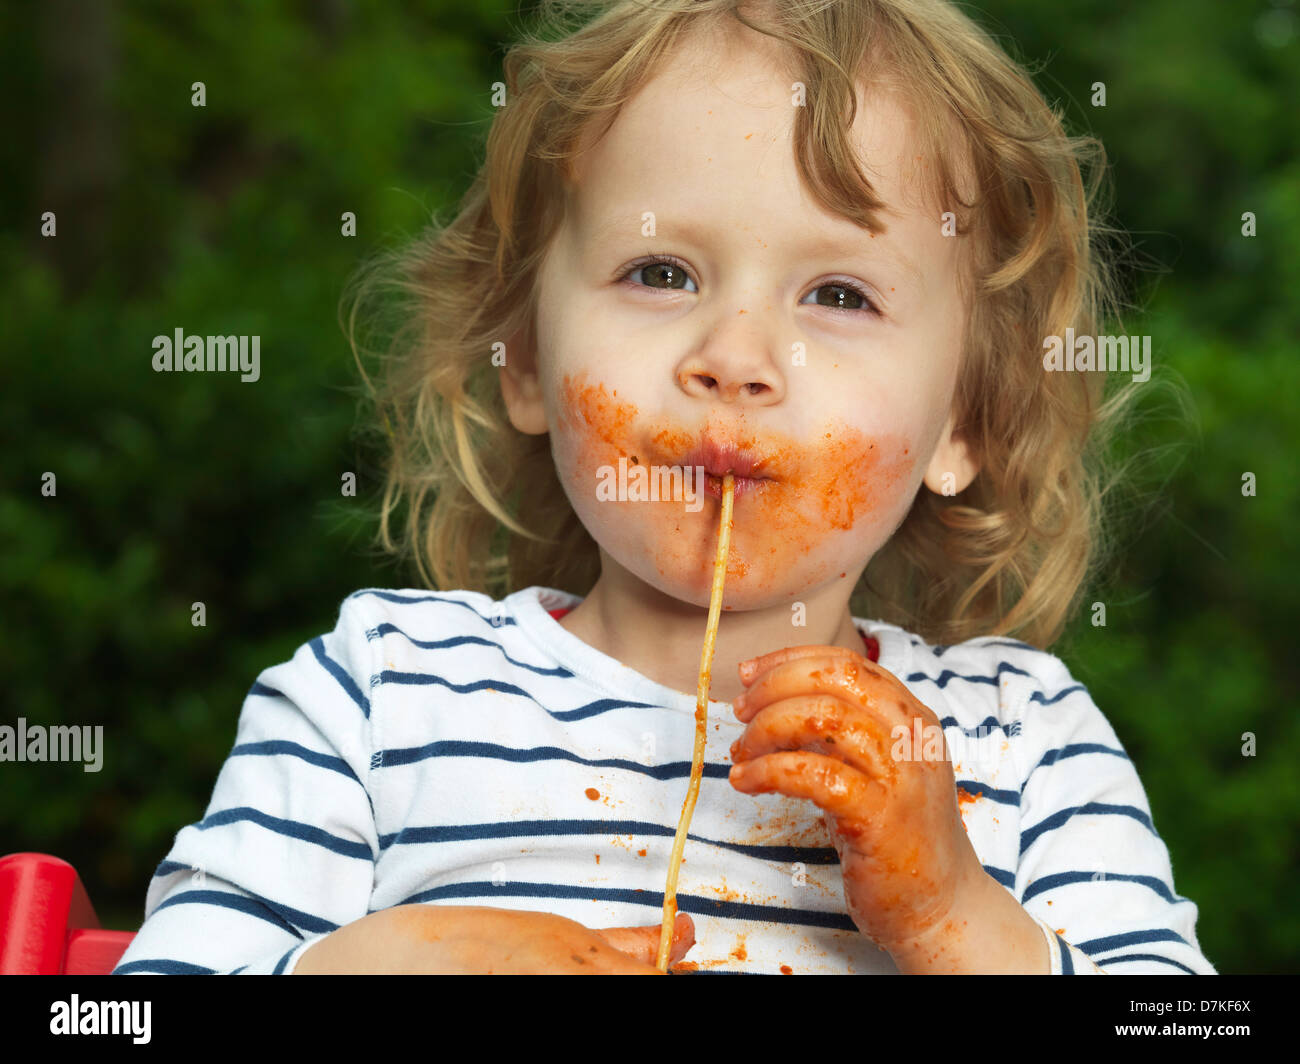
x=450, y=749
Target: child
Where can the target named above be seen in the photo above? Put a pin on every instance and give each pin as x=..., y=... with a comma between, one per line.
x=697, y=245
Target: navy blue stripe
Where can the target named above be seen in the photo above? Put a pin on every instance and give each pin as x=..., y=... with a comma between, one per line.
x=409, y=836
x=1011, y=643
x=166, y=868
x=279, y=968
x=397, y=756
x=508, y=829
x=1091, y=809
x=1131, y=938
x=291, y=828
x=461, y=640
x=1073, y=750
x=161, y=966
x=985, y=793
x=388, y=596
x=591, y=709
x=650, y=898
x=939, y=649
x=459, y=748
x=282, y=916
x=1007, y=879
x=239, y=969
x=337, y=671
x=260, y=688
x=942, y=679
x=1045, y=700
x=988, y=728
x=1060, y=879
x=313, y=757
x=1067, y=962
x=284, y=746
x=1123, y=957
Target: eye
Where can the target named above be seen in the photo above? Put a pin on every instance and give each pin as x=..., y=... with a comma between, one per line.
x=664, y=272
x=846, y=293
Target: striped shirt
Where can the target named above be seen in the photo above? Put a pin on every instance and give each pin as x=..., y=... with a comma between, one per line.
x=452, y=749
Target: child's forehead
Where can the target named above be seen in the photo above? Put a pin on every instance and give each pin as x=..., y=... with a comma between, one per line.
x=719, y=105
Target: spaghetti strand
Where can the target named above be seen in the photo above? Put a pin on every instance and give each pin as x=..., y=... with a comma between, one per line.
x=701, y=722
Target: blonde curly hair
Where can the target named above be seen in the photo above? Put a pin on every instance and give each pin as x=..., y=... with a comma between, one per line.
x=1009, y=555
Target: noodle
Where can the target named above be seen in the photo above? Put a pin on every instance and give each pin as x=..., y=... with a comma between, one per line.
x=701, y=722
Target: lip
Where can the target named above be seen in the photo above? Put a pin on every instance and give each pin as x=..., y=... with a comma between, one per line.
x=720, y=457
x=743, y=486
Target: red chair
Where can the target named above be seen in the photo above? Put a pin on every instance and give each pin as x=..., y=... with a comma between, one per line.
x=47, y=924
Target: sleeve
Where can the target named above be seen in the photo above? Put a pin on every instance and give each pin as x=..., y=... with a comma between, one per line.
x=286, y=850
x=1093, y=872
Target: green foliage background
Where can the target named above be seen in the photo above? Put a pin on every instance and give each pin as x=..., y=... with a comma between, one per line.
x=226, y=220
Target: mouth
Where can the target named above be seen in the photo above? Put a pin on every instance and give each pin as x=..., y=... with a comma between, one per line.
x=721, y=458
x=743, y=486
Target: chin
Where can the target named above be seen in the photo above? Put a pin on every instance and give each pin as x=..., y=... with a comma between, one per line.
x=739, y=594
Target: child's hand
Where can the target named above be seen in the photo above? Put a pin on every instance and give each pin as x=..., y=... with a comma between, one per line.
x=820, y=727
x=477, y=940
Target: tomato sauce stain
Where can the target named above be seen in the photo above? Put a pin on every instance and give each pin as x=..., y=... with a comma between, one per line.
x=817, y=487
x=740, y=953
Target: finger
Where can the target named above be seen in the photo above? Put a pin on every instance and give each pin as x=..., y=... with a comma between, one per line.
x=683, y=939
x=759, y=665
x=832, y=785
x=822, y=724
x=642, y=943
x=848, y=676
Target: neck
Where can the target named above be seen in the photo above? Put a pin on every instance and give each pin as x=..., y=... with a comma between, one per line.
x=662, y=637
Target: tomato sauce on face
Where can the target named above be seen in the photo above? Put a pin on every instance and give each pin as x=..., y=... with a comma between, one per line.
x=818, y=487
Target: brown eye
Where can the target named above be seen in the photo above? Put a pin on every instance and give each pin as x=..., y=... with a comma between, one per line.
x=843, y=296
x=662, y=273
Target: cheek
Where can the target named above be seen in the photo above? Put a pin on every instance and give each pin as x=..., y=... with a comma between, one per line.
x=594, y=429
x=836, y=482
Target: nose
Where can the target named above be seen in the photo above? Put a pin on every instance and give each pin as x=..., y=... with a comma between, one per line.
x=732, y=370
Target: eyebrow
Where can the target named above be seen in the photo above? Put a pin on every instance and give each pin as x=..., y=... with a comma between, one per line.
x=818, y=246
x=822, y=246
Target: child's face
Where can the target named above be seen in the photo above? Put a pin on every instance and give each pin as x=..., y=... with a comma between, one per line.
x=847, y=412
